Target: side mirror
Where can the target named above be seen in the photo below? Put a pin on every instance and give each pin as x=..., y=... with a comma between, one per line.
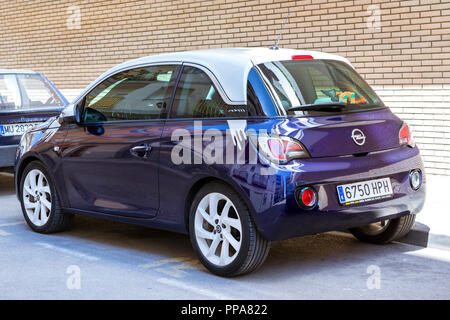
x=67, y=115
x=72, y=114
x=78, y=110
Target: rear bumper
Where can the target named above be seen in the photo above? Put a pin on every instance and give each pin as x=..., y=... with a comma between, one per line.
x=288, y=225
x=284, y=219
x=7, y=156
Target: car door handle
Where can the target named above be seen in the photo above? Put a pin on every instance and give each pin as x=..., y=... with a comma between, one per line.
x=141, y=151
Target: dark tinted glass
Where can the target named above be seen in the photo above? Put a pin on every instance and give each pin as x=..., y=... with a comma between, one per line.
x=197, y=97
x=253, y=104
x=298, y=82
x=137, y=94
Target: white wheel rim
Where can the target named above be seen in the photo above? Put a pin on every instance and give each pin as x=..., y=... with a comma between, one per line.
x=218, y=229
x=37, y=198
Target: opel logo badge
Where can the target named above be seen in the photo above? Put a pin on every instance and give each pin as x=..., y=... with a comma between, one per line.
x=358, y=137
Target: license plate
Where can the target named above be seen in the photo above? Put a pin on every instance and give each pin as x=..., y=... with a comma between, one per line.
x=16, y=129
x=365, y=191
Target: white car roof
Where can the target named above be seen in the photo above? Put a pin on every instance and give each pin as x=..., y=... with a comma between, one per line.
x=18, y=71
x=229, y=66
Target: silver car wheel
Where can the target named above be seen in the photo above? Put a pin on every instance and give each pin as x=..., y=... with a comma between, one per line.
x=37, y=198
x=218, y=229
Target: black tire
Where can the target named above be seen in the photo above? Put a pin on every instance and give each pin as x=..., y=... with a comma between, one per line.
x=394, y=230
x=57, y=219
x=254, y=248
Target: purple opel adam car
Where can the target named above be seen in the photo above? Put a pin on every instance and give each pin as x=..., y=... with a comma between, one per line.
x=27, y=98
x=235, y=147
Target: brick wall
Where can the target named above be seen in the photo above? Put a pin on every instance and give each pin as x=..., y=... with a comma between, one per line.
x=406, y=56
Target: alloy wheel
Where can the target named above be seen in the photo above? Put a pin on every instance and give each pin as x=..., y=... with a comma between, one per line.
x=218, y=229
x=37, y=198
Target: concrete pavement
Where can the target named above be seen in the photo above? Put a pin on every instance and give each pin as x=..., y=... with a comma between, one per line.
x=99, y=259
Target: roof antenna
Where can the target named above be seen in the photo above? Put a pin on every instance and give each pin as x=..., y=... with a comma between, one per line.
x=275, y=47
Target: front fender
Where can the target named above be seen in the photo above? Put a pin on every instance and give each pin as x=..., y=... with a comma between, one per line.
x=39, y=144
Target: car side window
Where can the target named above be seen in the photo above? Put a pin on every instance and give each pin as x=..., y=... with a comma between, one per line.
x=253, y=102
x=136, y=94
x=197, y=97
x=36, y=93
x=9, y=93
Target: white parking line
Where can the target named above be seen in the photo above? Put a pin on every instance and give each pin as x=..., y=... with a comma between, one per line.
x=11, y=224
x=193, y=289
x=4, y=233
x=68, y=251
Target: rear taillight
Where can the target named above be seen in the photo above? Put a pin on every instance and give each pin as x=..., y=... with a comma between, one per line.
x=281, y=149
x=405, y=136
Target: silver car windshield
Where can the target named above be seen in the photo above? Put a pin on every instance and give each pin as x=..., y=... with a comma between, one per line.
x=26, y=91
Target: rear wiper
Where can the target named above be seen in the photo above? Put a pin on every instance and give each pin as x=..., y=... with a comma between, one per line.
x=332, y=106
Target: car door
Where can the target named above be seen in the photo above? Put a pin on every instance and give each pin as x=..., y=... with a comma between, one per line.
x=198, y=122
x=110, y=160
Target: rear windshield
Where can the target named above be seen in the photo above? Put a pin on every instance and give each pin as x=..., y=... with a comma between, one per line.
x=26, y=91
x=308, y=82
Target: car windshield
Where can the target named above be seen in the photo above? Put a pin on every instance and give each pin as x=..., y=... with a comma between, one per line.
x=26, y=91
x=313, y=82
